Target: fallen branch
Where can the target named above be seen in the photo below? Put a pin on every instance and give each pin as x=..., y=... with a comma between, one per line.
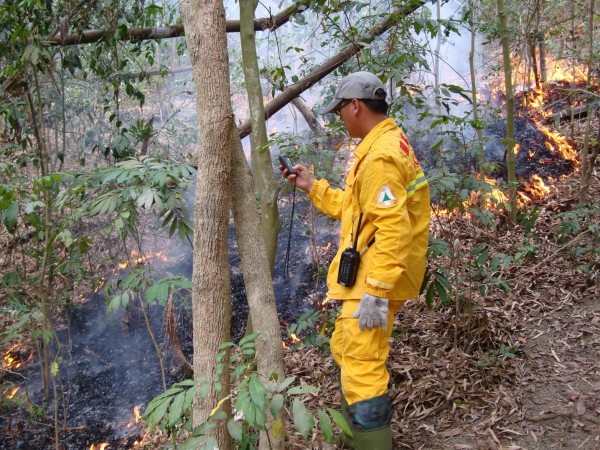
x=561, y=413
x=548, y=416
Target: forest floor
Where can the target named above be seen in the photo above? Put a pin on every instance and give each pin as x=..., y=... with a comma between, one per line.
x=515, y=369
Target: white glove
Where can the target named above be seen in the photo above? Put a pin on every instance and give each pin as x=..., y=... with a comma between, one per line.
x=372, y=312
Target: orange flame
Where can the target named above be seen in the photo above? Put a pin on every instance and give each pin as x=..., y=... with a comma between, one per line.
x=11, y=392
x=137, y=417
x=101, y=446
x=136, y=259
x=12, y=361
x=136, y=414
x=100, y=284
x=557, y=143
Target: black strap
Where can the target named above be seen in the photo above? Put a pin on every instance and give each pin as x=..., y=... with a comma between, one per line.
x=355, y=243
x=287, y=253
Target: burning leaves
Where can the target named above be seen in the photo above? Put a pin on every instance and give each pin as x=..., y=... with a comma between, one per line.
x=10, y=392
x=136, y=259
x=102, y=446
x=13, y=359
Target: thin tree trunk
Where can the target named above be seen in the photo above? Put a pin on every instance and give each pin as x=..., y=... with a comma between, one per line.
x=510, y=109
x=541, y=40
x=257, y=279
x=534, y=62
x=474, y=101
x=588, y=159
x=211, y=287
x=262, y=165
x=436, y=62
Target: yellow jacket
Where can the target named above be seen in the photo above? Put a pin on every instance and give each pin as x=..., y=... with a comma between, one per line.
x=387, y=185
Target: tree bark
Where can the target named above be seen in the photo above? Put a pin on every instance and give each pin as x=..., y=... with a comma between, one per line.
x=262, y=165
x=333, y=63
x=211, y=287
x=257, y=278
x=510, y=110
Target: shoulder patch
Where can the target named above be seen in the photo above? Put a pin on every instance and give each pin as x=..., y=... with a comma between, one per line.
x=386, y=198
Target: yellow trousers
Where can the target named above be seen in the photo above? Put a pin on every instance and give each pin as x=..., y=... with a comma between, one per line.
x=362, y=355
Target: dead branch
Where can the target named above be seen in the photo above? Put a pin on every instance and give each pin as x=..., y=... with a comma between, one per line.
x=548, y=416
x=561, y=413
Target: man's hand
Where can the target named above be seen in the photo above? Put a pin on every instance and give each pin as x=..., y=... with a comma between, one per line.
x=303, y=179
x=372, y=312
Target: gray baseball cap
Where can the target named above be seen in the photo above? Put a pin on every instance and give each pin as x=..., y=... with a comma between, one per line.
x=359, y=85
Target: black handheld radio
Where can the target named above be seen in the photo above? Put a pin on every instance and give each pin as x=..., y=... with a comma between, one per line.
x=349, y=262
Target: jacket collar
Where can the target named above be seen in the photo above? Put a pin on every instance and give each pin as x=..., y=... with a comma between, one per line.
x=376, y=131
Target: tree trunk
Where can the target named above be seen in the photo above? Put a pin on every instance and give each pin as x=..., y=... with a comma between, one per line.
x=479, y=141
x=436, y=66
x=588, y=158
x=257, y=279
x=510, y=110
x=262, y=165
x=211, y=288
x=534, y=63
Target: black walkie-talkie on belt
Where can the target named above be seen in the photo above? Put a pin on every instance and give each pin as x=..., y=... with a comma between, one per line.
x=349, y=261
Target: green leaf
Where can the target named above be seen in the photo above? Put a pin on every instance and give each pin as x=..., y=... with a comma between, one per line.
x=191, y=443
x=189, y=398
x=203, y=391
x=235, y=430
x=115, y=303
x=211, y=444
x=150, y=293
x=162, y=293
x=304, y=389
x=145, y=198
x=9, y=216
x=325, y=426
x=303, y=420
x=176, y=409
x=54, y=368
x=258, y=393
x=276, y=404
x=340, y=421
x=249, y=338
x=156, y=416
x=285, y=383
x=441, y=292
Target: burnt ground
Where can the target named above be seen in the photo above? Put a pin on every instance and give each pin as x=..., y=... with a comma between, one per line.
x=108, y=362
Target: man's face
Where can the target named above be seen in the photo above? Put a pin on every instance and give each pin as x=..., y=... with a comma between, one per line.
x=347, y=112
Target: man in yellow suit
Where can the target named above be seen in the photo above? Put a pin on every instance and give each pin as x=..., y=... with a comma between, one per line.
x=384, y=214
